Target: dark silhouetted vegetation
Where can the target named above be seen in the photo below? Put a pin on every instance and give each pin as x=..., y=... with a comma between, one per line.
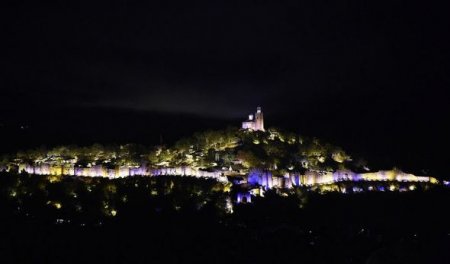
x=48, y=219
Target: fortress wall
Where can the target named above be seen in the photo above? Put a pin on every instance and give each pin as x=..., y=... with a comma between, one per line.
x=255, y=177
x=310, y=178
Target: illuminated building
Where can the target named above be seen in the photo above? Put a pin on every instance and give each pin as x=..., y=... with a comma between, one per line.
x=254, y=122
x=244, y=197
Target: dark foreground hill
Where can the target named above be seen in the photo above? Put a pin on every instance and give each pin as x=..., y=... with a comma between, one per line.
x=362, y=230
x=175, y=220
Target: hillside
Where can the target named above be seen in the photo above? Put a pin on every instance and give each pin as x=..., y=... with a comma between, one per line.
x=233, y=150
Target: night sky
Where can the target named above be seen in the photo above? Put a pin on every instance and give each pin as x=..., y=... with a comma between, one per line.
x=370, y=76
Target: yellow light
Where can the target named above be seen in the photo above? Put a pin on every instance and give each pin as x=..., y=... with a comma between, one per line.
x=412, y=187
x=113, y=212
x=392, y=188
x=227, y=188
x=54, y=178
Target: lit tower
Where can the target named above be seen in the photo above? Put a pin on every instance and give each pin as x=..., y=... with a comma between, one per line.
x=254, y=122
x=259, y=119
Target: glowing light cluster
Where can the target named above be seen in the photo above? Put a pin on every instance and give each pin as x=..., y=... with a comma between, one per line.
x=188, y=171
x=244, y=197
x=310, y=178
x=55, y=204
x=118, y=172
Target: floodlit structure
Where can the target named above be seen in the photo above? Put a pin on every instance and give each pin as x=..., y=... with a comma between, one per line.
x=254, y=122
x=256, y=182
x=313, y=178
x=118, y=171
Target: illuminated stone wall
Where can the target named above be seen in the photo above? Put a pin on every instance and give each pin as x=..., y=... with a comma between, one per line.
x=255, y=177
x=188, y=171
x=92, y=171
x=118, y=172
x=310, y=178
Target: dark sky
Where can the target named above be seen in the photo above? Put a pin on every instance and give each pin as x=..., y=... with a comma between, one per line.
x=351, y=71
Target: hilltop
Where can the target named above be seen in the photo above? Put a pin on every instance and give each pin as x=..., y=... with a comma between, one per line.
x=238, y=150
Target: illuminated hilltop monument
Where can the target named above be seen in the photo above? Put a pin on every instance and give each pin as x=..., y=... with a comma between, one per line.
x=254, y=122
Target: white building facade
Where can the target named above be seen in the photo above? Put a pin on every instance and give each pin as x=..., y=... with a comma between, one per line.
x=254, y=122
